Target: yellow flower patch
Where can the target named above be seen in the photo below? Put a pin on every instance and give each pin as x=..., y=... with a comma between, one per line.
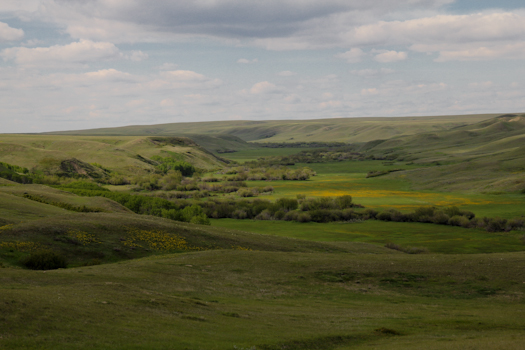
x=156, y=240
x=21, y=246
x=83, y=237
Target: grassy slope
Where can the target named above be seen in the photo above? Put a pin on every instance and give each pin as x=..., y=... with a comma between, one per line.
x=115, y=153
x=50, y=195
x=117, y=233
x=486, y=156
x=269, y=300
x=344, y=129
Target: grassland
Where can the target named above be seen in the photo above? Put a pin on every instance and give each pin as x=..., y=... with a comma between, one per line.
x=143, y=282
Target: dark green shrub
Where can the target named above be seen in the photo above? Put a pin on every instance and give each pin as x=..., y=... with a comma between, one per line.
x=397, y=216
x=239, y=214
x=344, y=202
x=495, y=224
x=303, y=217
x=200, y=219
x=264, y=215
x=440, y=218
x=384, y=216
x=458, y=220
x=370, y=213
x=279, y=215
x=468, y=214
x=287, y=204
x=44, y=260
x=452, y=211
x=292, y=216
x=423, y=214
x=320, y=215
x=516, y=224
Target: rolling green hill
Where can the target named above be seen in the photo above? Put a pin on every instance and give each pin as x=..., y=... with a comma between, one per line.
x=39, y=217
x=329, y=130
x=484, y=156
x=95, y=156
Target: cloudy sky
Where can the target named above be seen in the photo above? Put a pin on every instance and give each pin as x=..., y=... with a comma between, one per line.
x=77, y=64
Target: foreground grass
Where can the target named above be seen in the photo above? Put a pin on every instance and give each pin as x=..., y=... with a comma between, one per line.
x=268, y=300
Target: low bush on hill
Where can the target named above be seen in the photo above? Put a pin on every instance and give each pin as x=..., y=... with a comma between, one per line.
x=453, y=216
x=44, y=260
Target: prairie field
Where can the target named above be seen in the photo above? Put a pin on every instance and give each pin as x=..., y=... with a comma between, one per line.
x=150, y=258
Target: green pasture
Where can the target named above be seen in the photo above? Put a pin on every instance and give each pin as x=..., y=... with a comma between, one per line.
x=384, y=192
x=436, y=238
x=269, y=300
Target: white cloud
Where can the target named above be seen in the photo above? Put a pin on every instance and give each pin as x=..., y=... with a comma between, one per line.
x=263, y=87
x=355, y=55
x=470, y=52
x=390, y=56
x=183, y=79
x=481, y=85
x=10, y=34
x=168, y=66
x=455, y=37
x=74, y=54
x=246, y=61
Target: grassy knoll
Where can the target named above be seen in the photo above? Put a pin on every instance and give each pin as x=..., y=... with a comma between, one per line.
x=269, y=300
x=121, y=154
x=435, y=238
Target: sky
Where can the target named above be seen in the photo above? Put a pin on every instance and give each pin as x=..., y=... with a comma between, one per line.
x=80, y=64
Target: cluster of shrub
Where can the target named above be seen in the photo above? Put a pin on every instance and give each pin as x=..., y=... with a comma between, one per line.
x=180, y=211
x=309, y=156
x=324, y=209
x=270, y=173
x=15, y=173
x=312, y=144
x=165, y=164
x=452, y=216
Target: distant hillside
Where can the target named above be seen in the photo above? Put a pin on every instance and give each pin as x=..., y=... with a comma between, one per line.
x=488, y=155
x=347, y=130
x=95, y=156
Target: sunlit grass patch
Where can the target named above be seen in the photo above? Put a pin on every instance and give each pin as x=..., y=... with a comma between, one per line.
x=6, y=227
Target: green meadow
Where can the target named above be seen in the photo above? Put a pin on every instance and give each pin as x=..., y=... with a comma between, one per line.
x=384, y=192
x=435, y=238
